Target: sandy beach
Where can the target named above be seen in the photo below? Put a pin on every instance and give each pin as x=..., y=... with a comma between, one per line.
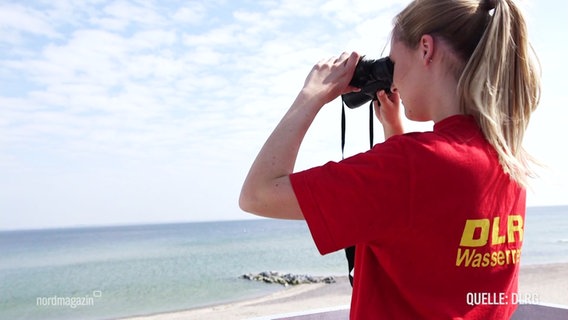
x=544, y=284
x=549, y=283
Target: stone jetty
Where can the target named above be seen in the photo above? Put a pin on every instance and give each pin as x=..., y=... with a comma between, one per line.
x=286, y=279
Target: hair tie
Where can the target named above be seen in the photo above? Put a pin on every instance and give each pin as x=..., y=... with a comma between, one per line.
x=489, y=4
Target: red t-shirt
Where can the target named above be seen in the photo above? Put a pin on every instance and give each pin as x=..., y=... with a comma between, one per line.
x=437, y=224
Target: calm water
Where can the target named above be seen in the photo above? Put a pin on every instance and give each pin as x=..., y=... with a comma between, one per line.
x=103, y=273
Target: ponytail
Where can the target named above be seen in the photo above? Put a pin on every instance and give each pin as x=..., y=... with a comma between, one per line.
x=500, y=87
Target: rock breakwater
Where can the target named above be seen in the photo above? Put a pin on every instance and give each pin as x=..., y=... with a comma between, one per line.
x=286, y=279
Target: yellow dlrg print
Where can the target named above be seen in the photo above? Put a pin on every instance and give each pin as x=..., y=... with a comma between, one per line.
x=476, y=231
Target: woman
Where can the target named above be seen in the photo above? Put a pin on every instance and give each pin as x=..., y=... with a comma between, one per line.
x=437, y=217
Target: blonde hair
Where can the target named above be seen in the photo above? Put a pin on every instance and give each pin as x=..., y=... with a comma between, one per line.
x=497, y=70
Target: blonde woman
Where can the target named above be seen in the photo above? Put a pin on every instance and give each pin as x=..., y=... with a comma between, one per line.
x=437, y=218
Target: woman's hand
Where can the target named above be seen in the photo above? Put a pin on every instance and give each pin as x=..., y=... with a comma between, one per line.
x=330, y=78
x=388, y=113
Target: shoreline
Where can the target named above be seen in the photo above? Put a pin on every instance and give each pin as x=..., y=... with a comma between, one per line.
x=302, y=297
x=545, y=284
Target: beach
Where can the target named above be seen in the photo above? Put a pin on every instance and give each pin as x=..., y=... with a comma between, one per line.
x=548, y=283
x=293, y=299
x=541, y=284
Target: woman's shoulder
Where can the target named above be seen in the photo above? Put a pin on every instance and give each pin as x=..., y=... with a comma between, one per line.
x=459, y=137
x=458, y=129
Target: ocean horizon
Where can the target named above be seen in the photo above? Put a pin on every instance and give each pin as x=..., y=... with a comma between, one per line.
x=111, y=272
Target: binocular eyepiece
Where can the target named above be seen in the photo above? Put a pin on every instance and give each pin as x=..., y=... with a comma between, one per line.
x=371, y=76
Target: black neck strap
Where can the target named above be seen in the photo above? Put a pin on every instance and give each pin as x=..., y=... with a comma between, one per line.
x=350, y=251
x=343, y=127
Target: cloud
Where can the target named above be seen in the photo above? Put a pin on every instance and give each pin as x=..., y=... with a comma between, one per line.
x=17, y=21
x=193, y=15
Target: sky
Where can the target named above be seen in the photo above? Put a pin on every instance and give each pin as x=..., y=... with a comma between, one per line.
x=147, y=111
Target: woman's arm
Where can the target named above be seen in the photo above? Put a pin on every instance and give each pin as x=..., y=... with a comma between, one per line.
x=267, y=190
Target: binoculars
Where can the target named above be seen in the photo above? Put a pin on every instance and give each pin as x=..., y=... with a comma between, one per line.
x=370, y=76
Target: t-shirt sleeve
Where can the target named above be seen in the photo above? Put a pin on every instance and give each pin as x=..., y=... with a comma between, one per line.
x=364, y=198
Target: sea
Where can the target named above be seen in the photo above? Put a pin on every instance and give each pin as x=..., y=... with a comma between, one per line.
x=122, y=271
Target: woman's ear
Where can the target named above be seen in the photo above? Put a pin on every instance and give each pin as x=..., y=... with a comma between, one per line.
x=427, y=48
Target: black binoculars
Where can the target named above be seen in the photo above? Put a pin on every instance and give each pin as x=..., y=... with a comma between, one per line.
x=371, y=76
